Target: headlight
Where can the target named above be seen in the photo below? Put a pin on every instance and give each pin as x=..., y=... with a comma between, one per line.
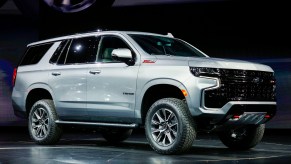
x=203, y=71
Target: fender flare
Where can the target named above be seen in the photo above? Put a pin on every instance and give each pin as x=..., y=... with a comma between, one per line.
x=39, y=86
x=151, y=83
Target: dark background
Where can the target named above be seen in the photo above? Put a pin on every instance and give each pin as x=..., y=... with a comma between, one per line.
x=251, y=30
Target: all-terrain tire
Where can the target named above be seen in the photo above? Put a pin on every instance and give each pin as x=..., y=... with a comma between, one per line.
x=169, y=126
x=243, y=138
x=41, y=124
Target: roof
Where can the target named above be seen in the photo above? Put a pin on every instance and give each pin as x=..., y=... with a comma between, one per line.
x=92, y=33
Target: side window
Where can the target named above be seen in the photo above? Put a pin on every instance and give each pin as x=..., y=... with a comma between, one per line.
x=60, y=50
x=63, y=53
x=34, y=53
x=83, y=50
x=108, y=44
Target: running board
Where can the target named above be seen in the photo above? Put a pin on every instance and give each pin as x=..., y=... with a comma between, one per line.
x=98, y=124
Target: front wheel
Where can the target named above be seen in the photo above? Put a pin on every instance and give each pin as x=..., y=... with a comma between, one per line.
x=42, y=127
x=169, y=126
x=242, y=138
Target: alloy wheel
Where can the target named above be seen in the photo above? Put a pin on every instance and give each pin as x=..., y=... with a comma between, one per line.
x=164, y=127
x=40, y=123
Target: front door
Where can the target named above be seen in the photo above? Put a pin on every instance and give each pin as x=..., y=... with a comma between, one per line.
x=111, y=85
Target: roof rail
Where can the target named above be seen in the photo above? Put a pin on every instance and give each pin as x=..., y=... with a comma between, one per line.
x=96, y=30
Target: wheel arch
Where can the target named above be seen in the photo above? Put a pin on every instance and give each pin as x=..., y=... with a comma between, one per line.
x=157, y=89
x=37, y=92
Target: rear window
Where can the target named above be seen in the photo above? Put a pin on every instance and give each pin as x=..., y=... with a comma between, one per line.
x=60, y=50
x=35, y=53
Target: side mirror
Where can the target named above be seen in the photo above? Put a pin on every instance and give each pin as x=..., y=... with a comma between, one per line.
x=124, y=55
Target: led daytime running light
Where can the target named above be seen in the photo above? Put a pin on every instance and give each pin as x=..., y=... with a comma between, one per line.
x=204, y=71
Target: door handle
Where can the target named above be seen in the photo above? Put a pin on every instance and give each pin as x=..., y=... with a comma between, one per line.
x=94, y=72
x=56, y=73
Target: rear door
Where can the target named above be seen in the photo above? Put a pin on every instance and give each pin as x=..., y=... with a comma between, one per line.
x=68, y=77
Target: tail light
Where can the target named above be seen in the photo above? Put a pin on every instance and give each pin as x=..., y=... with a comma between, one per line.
x=14, y=76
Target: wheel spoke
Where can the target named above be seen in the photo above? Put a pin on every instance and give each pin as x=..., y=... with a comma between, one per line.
x=164, y=113
x=36, y=115
x=157, y=130
x=174, y=132
x=159, y=137
x=172, y=125
x=44, y=130
x=164, y=141
x=41, y=112
x=38, y=131
x=170, y=116
x=46, y=120
x=34, y=120
x=159, y=117
x=169, y=137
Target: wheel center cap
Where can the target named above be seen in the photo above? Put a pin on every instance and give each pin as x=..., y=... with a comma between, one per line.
x=165, y=125
x=42, y=122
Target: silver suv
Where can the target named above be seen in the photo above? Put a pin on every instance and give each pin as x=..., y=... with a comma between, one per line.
x=118, y=81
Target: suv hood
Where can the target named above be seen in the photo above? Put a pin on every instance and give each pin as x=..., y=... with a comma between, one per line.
x=218, y=63
x=228, y=64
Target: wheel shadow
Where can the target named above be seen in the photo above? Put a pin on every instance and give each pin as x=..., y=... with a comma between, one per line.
x=137, y=145
x=206, y=148
x=138, y=149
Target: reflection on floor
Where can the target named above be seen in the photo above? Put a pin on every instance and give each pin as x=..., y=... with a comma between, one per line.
x=88, y=147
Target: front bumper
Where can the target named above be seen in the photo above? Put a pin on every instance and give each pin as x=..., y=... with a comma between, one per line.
x=248, y=112
x=196, y=87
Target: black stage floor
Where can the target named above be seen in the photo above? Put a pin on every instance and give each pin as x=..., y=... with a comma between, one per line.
x=89, y=147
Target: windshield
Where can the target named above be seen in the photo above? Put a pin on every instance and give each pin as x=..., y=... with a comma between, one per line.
x=158, y=45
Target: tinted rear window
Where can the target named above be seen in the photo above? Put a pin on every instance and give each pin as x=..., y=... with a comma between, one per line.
x=35, y=53
x=83, y=50
x=60, y=50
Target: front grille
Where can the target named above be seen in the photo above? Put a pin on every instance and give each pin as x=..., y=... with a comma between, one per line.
x=241, y=85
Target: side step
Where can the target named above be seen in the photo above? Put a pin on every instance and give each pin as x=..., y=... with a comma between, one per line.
x=98, y=124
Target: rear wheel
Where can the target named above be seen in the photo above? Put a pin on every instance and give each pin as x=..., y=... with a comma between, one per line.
x=42, y=127
x=169, y=126
x=242, y=138
x=116, y=135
